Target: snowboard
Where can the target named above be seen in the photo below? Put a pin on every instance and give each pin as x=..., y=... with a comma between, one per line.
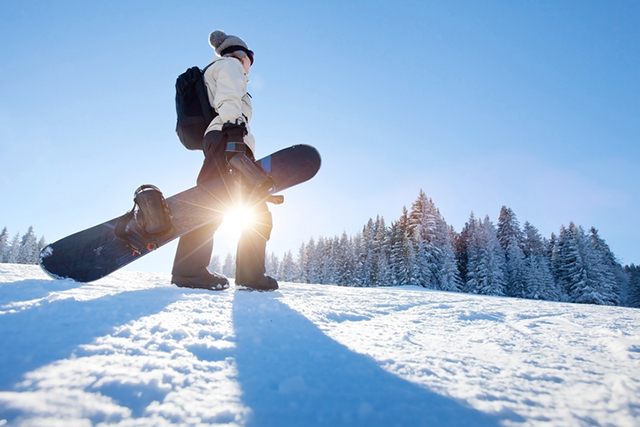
x=96, y=252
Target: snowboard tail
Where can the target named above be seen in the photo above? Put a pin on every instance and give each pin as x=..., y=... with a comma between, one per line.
x=96, y=252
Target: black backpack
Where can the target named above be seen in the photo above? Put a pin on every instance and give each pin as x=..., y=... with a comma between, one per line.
x=193, y=108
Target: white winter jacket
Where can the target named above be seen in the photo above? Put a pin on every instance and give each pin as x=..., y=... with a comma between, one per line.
x=226, y=84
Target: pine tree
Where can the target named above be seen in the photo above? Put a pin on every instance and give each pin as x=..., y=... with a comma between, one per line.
x=511, y=239
x=4, y=247
x=539, y=282
x=421, y=227
x=288, y=268
x=382, y=253
x=331, y=265
x=313, y=262
x=272, y=265
x=318, y=264
x=579, y=268
x=358, y=260
x=486, y=260
x=41, y=244
x=633, y=272
x=229, y=266
x=401, y=253
x=614, y=281
x=214, y=264
x=462, y=246
x=344, y=261
x=326, y=262
x=13, y=251
x=436, y=265
x=366, y=268
x=302, y=265
x=28, y=253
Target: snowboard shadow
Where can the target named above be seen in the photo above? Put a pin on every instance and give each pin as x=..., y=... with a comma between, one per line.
x=51, y=331
x=292, y=374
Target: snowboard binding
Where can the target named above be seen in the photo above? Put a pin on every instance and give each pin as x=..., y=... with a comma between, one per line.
x=255, y=182
x=149, y=225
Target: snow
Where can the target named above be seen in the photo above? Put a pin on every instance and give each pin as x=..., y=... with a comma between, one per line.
x=132, y=350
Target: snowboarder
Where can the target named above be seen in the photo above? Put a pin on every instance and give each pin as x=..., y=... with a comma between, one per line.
x=226, y=140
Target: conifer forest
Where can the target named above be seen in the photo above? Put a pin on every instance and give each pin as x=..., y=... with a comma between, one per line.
x=23, y=249
x=504, y=259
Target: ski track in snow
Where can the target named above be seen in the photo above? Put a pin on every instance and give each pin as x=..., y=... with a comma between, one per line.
x=132, y=350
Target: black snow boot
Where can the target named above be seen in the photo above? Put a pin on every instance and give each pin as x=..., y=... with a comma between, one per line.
x=265, y=283
x=203, y=280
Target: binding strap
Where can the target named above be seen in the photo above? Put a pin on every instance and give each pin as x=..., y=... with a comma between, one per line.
x=120, y=230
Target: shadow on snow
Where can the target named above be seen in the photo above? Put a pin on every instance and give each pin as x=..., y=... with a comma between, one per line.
x=53, y=330
x=26, y=290
x=292, y=374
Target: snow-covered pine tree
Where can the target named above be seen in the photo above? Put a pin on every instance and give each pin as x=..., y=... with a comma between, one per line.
x=4, y=246
x=511, y=237
x=421, y=225
x=344, y=261
x=229, y=266
x=41, y=243
x=365, y=254
x=382, y=241
x=214, y=264
x=28, y=252
x=462, y=246
x=288, y=268
x=436, y=265
x=579, y=269
x=307, y=260
x=302, y=265
x=486, y=260
x=633, y=299
x=424, y=264
x=318, y=264
x=313, y=261
x=272, y=265
x=325, y=259
x=358, y=259
x=532, y=243
x=447, y=273
x=401, y=253
x=613, y=280
x=13, y=250
x=331, y=266
x=539, y=282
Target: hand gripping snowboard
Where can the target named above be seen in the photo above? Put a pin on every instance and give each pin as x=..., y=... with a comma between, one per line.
x=96, y=252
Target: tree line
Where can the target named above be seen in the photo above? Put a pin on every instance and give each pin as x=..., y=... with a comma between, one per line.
x=23, y=249
x=503, y=259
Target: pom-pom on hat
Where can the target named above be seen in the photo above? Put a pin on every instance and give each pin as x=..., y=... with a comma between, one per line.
x=224, y=44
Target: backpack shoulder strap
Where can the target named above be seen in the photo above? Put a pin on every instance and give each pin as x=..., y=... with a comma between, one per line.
x=208, y=110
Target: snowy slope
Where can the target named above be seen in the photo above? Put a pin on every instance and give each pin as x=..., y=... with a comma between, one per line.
x=133, y=350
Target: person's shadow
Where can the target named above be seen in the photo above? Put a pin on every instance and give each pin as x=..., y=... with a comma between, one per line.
x=292, y=374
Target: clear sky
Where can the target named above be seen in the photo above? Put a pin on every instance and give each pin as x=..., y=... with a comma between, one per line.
x=532, y=105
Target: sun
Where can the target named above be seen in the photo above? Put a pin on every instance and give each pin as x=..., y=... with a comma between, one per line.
x=239, y=218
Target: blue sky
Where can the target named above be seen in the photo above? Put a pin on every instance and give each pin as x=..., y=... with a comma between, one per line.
x=532, y=105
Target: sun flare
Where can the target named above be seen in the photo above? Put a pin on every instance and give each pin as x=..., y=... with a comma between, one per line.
x=239, y=218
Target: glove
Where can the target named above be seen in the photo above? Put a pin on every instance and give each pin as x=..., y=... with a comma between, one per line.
x=234, y=135
x=251, y=176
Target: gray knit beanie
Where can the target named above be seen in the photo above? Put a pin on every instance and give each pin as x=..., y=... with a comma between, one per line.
x=224, y=44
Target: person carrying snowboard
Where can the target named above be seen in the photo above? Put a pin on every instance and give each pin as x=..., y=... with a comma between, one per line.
x=227, y=141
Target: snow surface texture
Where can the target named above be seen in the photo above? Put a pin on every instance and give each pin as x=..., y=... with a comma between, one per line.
x=133, y=350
